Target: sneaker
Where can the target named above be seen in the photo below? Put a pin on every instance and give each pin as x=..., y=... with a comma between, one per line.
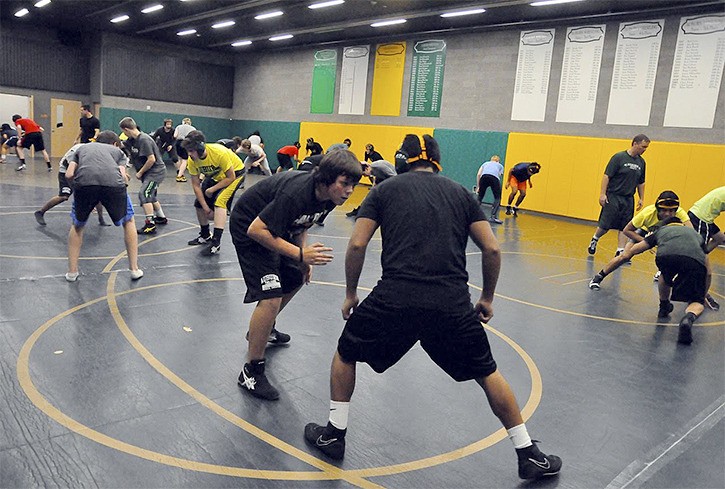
x=181, y=179
x=685, y=335
x=253, y=380
x=50, y=168
x=656, y=278
x=162, y=221
x=592, y=246
x=320, y=223
x=508, y=210
x=199, y=240
x=136, y=274
x=534, y=464
x=148, y=228
x=72, y=276
x=353, y=212
x=212, y=249
x=276, y=337
x=39, y=217
x=328, y=439
x=665, y=309
x=711, y=303
x=515, y=212
x=496, y=221
x=595, y=281
x=21, y=167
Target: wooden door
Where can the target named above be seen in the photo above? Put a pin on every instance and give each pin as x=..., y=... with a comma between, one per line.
x=64, y=116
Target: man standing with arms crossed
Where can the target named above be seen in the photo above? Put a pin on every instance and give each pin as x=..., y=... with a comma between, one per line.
x=624, y=174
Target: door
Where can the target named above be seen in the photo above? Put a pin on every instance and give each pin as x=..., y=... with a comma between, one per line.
x=64, y=127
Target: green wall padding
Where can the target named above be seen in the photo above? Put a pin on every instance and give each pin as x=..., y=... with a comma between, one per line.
x=212, y=127
x=463, y=152
x=274, y=133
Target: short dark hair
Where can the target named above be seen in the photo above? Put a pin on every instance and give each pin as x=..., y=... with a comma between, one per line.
x=296, y=144
x=128, y=123
x=168, y=120
x=16, y=117
x=639, y=138
x=347, y=141
x=335, y=164
x=6, y=126
x=86, y=107
x=107, y=137
x=534, y=166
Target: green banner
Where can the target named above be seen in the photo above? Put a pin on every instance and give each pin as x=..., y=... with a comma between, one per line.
x=426, y=78
x=323, y=82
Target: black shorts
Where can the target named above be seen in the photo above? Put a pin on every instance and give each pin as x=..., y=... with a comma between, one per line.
x=114, y=199
x=707, y=231
x=267, y=274
x=380, y=333
x=285, y=161
x=11, y=142
x=617, y=212
x=181, y=151
x=685, y=275
x=224, y=196
x=489, y=181
x=34, y=139
x=64, y=188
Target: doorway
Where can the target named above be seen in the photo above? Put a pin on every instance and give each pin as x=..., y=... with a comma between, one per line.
x=64, y=128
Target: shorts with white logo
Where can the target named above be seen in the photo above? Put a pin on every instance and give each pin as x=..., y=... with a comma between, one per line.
x=267, y=274
x=379, y=333
x=64, y=188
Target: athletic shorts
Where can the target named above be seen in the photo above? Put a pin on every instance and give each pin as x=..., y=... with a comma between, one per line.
x=616, y=213
x=114, y=199
x=489, y=181
x=11, y=142
x=149, y=190
x=514, y=183
x=64, y=188
x=181, y=151
x=223, y=197
x=685, y=275
x=34, y=139
x=707, y=231
x=379, y=333
x=267, y=274
x=285, y=161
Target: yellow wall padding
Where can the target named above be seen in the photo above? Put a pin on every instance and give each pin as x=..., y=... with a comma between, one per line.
x=572, y=169
x=386, y=139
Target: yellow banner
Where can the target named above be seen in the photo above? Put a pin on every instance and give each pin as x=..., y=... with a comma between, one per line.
x=388, y=79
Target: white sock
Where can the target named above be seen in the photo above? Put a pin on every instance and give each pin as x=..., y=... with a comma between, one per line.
x=338, y=414
x=620, y=250
x=519, y=436
x=594, y=238
x=159, y=213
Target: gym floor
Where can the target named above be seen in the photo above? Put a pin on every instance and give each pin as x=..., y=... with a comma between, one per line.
x=111, y=383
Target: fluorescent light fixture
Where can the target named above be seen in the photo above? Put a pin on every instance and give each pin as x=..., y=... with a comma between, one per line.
x=42, y=3
x=241, y=43
x=22, y=12
x=120, y=18
x=331, y=3
x=551, y=2
x=152, y=8
x=388, y=22
x=281, y=37
x=268, y=15
x=187, y=32
x=221, y=25
x=464, y=12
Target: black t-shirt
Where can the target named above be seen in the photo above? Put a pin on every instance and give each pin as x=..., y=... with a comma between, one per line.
x=163, y=137
x=8, y=133
x=88, y=128
x=521, y=172
x=424, y=221
x=625, y=173
x=314, y=148
x=374, y=156
x=310, y=162
x=285, y=201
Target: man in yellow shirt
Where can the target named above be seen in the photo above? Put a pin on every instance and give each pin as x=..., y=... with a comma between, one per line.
x=223, y=174
x=702, y=215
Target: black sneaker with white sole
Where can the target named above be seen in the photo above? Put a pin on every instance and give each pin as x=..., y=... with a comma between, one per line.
x=595, y=282
x=533, y=464
x=328, y=439
x=684, y=335
x=276, y=337
x=212, y=249
x=253, y=380
x=199, y=240
x=592, y=246
x=711, y=303
x=665, y=309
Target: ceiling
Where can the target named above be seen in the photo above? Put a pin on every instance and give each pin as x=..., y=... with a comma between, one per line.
x=345, y=23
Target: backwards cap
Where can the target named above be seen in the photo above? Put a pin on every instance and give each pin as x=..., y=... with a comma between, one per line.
x=425, y=150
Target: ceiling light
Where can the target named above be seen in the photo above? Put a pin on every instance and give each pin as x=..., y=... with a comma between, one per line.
x=388, y=22
x=21, y=12
x=464, y=12
x=281, y=38
x=152, y=8
x=186, y=32
x=241, y=43
x=221, y=25
x=268, y=15
x=42, y=3
x=551, y=2
x=326, y=4
x=120, y=18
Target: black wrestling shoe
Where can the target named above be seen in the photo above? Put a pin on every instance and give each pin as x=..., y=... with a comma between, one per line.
x=253, y=380
x=533, y=464
x=592, y=246
x=328, y=439
x=666, y=308
x=199, y=240
x=684, y=336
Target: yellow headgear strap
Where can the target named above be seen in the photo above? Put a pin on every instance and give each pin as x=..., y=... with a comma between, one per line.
x=424, y=156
